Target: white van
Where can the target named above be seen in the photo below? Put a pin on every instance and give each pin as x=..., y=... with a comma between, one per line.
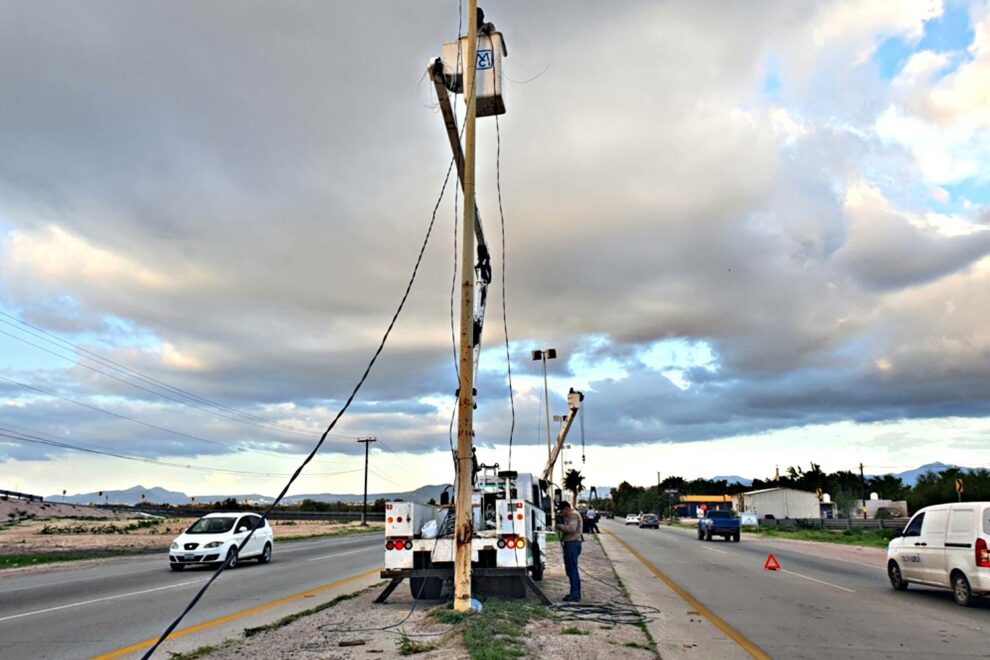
x=944, y=546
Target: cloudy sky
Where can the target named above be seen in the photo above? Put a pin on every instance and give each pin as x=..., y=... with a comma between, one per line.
x=756, y=233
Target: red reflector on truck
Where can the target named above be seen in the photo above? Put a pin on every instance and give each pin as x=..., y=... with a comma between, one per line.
x=982, y=555
x=399, y=519
x=519, y=516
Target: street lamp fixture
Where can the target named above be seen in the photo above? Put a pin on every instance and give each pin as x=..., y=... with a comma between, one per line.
x=544, y=355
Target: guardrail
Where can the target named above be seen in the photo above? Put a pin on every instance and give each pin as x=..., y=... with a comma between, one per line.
x=274, y=515
x=21, y=496
x=834, y=523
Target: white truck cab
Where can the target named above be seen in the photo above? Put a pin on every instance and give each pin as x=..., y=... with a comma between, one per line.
x=944, y=546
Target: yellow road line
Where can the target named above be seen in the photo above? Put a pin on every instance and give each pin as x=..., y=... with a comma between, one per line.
x=148, y=643
x=715, y=620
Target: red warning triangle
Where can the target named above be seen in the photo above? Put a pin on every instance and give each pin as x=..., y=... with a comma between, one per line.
x=771, y=564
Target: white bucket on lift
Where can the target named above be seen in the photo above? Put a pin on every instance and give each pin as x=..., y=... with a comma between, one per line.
x=488, y=71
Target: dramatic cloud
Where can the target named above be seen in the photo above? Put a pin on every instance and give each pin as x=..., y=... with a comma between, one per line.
x=729, y=219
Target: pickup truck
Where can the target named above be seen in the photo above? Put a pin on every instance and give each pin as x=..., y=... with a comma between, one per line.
x=718, y=523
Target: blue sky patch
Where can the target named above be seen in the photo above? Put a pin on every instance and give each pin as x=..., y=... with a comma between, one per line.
x=950, y=32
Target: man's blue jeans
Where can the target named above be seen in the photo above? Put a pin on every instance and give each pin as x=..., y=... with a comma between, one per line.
x=572, y=550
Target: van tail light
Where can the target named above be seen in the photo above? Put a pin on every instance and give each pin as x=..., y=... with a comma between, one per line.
x=982, y=556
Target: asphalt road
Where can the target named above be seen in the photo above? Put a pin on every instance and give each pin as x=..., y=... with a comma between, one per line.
x=86, y=611
x=820, y=605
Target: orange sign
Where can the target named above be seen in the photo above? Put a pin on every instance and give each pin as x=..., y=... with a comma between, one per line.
x=771, y=564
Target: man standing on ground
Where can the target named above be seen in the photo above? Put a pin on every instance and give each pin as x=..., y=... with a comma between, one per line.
x=592, y=520
x=569, y=527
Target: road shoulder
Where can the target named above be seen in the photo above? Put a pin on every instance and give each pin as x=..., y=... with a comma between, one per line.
x=680, y=629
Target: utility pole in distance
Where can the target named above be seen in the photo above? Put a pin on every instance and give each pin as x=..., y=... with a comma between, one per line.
x=862, y=481
x=364, y=512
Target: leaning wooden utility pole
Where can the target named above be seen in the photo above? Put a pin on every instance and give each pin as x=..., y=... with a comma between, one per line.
x=463, y=529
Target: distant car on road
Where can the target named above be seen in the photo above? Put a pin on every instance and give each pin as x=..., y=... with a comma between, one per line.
x=944, y=546
x=719, y=523
x=649, y=520
x=632, y=519
x=215, y=537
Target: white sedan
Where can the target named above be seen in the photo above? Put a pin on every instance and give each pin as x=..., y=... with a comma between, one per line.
x=632, y=519
x=215, y=537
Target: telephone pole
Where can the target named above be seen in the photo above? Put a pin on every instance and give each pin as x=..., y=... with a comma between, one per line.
x=862, y=481
x=463, y=531
x=364, y=512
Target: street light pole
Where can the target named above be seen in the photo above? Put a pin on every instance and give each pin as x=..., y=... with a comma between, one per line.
x=364, y=511
x=544, y=355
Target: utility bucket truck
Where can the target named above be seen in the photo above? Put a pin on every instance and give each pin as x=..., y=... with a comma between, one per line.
x=508, y=546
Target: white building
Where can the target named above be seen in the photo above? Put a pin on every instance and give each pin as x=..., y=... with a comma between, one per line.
x=779, y=503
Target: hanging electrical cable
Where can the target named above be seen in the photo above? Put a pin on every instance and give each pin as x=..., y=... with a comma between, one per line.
x=333, y=422
x=505, y=321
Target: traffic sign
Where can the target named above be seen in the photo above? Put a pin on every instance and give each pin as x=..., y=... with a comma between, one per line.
x=818, y=494
x=771, y=563
x=959, y=485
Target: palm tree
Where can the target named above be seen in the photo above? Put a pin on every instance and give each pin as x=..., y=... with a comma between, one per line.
x=574, y=482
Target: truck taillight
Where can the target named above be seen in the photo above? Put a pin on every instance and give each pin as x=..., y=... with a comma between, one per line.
x=388, y=506
x=982, y=555
x=519, y=516
x=399, y=519
x=501, y=543
x=390, y=519
x=389, y=545
x=399, y=545
x=520, y=544
x=519, y=505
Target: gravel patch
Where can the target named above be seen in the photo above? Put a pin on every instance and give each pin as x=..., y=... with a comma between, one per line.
x=359, y=628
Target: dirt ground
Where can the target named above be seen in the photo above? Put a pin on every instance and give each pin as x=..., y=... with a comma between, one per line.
x=379, y=629
x=43, y=527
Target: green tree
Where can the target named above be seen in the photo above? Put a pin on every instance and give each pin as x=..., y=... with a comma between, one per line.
x=573, y=483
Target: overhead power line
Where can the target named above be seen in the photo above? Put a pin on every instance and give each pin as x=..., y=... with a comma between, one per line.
x=36, y=437
x=333, y=422
x=156, y=427
x=146, y=383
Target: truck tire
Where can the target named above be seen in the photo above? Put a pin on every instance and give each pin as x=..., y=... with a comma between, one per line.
x=708, y=535
x=735, y=537
x=537, y=569
x=701, y=535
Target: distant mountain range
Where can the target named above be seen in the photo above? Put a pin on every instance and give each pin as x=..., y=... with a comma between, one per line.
x=734, y=479
x=157, y=495
x=909, y=477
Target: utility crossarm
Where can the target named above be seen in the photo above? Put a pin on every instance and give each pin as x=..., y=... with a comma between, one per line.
x=574, y=399
x=483, y=267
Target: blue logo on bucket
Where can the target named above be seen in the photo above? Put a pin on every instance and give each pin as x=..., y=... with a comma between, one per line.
x=485, y=60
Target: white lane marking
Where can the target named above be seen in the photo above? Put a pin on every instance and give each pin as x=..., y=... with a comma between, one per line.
x=721, y=552
x=98, y=600
x=338, y=554
x=827, y=584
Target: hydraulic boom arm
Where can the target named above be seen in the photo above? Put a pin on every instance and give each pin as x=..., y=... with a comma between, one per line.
x=574, y=399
